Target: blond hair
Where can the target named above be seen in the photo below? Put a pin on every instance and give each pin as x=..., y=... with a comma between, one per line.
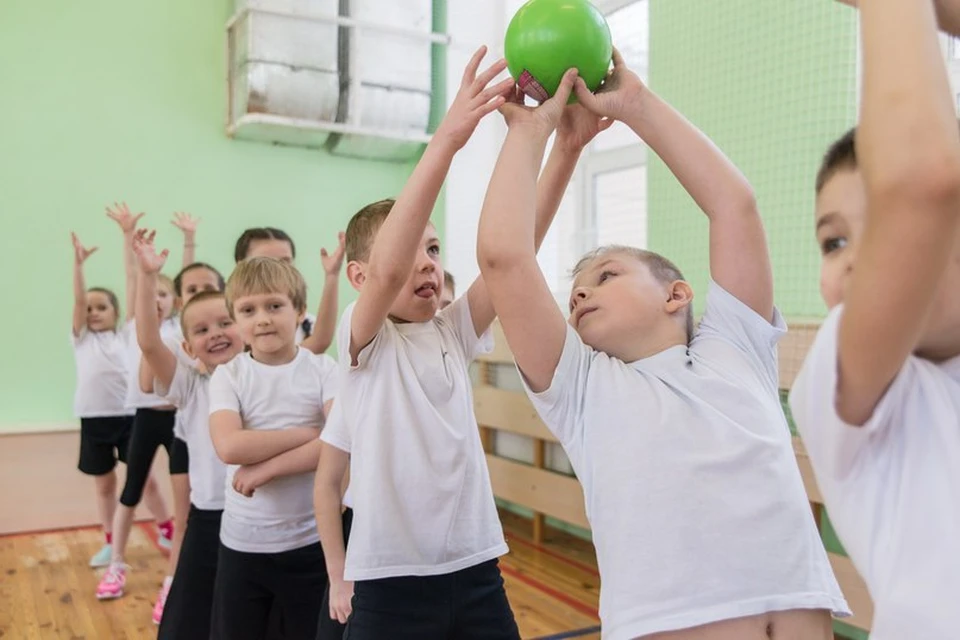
x=363, y=228
x=266, y=275
x=662, y=269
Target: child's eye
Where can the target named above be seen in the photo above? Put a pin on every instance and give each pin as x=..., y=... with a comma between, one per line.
x=832, y=244
x=226, y=323
x=275, y=306
x=434, y=250
x=245, y=310
x=604, y=275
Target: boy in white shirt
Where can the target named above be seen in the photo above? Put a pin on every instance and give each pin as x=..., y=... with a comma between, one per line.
x=877, y=401
x=213, y=339
x=263, y=403
x=421, y=562
x=698, y=512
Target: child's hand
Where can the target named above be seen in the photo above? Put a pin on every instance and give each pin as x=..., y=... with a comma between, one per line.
x=474, y=100
x=540, y=120
x=80, y=253
x=333, y=261
x=122, y=216
x=578, y=126
x=249, y=478
x=621, y=90
x=185, y=222
x=147, y=257
x=341, y=600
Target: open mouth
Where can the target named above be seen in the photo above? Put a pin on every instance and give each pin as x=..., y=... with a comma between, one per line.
x=426, y=290
x=219, y=347
x=583, y=313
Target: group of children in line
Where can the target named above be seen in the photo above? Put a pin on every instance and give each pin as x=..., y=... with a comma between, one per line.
x=353, y=500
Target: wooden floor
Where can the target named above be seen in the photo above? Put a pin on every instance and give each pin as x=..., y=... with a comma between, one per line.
x=46, y=587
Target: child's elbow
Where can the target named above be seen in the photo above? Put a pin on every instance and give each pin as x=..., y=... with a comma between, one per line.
x=495, y=257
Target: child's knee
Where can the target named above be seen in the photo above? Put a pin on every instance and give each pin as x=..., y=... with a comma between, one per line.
x=107, y=485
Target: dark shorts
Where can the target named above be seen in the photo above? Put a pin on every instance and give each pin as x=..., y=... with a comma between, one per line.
x=103, y=441
x=179, y=457
x=152, y=429
x=469, y=604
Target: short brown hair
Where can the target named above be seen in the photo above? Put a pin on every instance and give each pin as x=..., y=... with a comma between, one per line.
x=266, y=275
x=249, y=236
x=842, y=154
x=199, y=297
x=661, y=268
x=363, y=228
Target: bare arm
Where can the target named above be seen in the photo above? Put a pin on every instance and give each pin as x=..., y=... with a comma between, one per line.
x=394, y=250
x=322, y=337
x=909, y=152
x=80, y=255
x=127, y=221
x=236, y=445
x=948, y=14
x=157, y=360
x=739, y=259
x=327, y=501
x=188, y=225
x=577, y=128
x=506, y=246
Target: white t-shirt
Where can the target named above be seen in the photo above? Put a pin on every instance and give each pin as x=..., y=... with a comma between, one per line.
x=175, y=345
x=137, y=399
x=101, y=359
x=279, y=516
x=691, y=485
x=189, y=392
x=419, y=483
x=892, y=486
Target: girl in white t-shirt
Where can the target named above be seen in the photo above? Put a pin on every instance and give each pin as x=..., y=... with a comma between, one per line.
x=99, y=347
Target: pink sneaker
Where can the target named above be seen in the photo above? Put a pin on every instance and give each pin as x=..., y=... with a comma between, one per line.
x=161, y=601
x=112, y=583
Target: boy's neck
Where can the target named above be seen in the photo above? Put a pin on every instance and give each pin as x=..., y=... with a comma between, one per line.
x=284, y=355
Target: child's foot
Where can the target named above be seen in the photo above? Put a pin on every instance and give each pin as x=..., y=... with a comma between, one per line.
x=102, y=558
x=164, y=541
x=112, y=583
x=161, y=601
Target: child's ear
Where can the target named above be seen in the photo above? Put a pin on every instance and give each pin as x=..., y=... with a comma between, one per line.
x=355, y=274
x=680, y=295
x=187, y=350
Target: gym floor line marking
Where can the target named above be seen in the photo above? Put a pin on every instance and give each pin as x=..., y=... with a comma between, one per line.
x=553, y=554
x=550, y=591
x=576, y=633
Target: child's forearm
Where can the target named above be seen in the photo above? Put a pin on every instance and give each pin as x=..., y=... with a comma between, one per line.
x=301, y=459
x=250, y=446
x=392, y=258
x=189, y=248
x=130, y=272
x=556, y=175
x=717, y=186
x=145, y=312
x=327, y=506
x=507, y=231
x=79, y=298
x=322, y=336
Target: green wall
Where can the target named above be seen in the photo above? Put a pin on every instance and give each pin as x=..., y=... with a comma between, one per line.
x=109, y=100
x=772, y=83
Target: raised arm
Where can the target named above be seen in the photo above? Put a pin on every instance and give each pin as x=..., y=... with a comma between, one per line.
x=394, y=250
x=948, y=14
x=739, y=259
x=908, y=147
x=327, y=503
x=576, y=129
x=127, y=221
x=321, y=338
x=188, y=225
x=236, y=445
x=506, y=245
x=158, y=360
x=80, y=255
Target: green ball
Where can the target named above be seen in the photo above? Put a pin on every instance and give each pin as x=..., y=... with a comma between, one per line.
x=547, y=37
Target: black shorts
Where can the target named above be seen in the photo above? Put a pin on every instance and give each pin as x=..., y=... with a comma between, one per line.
x=250, y=585
x=186, y=614
x=330, y=628
x=179, y=457
x=103, y=441
x=469, y=604
x=152, y=429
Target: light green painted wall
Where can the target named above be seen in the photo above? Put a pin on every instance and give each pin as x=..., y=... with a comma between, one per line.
x=772, y=83
x=107, y=100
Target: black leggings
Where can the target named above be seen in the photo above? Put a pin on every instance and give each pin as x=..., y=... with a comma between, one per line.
x=151, y=429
